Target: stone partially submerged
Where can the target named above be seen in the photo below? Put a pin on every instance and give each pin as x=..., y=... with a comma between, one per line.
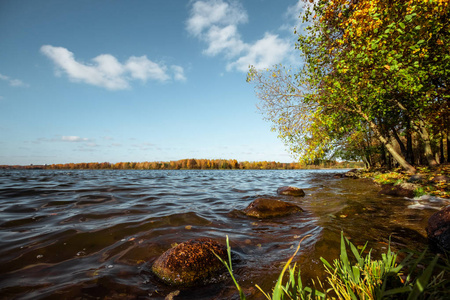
x=269, y=208
x=401, y=190
x=438, y=229
x=190, y=263
x=353, y=173
x=290, y=191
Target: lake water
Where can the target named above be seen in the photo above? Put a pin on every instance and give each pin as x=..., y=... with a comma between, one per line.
x=94, y=234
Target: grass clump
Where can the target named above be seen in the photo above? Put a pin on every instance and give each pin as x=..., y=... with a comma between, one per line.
x=356, y=276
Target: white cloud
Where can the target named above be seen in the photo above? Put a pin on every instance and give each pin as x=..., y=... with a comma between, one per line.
x=293, y=16
x=72, y=138
x=142, y=68
x=204, y=14
x=293, y=11
x=106, y=71
x=224, y=39
x=178, y=73
x=215, y=22
x=13, y=82
x=264, y=53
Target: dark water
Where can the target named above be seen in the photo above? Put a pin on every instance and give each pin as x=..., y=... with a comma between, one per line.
x=95, y=234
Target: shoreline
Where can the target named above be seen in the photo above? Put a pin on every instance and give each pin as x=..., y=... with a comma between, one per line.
x=396, y=182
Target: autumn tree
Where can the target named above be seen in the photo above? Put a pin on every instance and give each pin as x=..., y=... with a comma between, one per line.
x=371, y=68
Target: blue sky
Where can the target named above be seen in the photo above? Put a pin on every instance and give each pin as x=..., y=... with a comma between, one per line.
x=155, y=80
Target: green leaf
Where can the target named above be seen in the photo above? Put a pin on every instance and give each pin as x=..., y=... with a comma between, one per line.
x=422, y=281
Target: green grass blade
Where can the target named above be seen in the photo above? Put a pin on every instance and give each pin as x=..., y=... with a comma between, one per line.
x=356, y=254
x=326, y=263
x=422, y=281
x=230, y=269
x=264, y=293
x=399, y=290
x=278, y=290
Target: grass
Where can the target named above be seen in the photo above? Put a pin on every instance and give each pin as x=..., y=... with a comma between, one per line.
x=357, y=276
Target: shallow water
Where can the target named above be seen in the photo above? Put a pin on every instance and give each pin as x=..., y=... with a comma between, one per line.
x=94, y=234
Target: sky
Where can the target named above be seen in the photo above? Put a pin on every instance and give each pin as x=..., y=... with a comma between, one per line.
x=155, y=80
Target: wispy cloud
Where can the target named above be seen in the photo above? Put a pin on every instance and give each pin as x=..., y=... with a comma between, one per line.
x=107, y=72
x=13, y=82
x=144, y=146
x=72, y=138
x=293, y=16
x=216, y=23
x=178, y=73
x=64, y=138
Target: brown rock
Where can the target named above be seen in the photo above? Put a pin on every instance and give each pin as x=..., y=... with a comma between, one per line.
x=190, y=263
x=353, y=173
x=438, y=229
x=440, y=178
x=398, y=190
x=416, y=178
x=269, y=208
x=290, y=191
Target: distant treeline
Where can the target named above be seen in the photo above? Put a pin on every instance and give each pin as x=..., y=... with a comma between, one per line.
x=194, y=164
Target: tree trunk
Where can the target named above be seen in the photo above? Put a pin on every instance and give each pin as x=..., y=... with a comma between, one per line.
x=423, y=132
x=427, y=145
x=400, y=143
x=448, y=145
x=409, y=146
x=397, y=156
x=383, y=162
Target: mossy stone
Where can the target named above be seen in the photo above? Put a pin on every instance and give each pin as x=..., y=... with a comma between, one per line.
x=190, y=263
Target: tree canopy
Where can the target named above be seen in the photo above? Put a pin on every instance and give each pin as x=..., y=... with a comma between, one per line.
x=375, y=77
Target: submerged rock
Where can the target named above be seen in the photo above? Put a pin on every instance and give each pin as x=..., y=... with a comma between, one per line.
x=416, y=178
x=290, y=191
x=270, y=208
x=401, y=190
x=353, y=173
x=438, y=229
x=190, y=263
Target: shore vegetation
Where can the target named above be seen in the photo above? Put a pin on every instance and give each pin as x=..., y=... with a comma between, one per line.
x=357, y=274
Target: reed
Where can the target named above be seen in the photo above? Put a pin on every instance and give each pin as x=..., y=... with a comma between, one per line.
x=357, y=276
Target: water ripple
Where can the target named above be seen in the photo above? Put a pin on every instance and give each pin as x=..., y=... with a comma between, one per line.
x=95, y=234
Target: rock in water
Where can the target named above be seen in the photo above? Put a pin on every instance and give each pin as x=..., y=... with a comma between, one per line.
x=353, y=173
x=190, y=263
x=270, y=208
x=438, y=229
x=402, y=190
x=290, y=191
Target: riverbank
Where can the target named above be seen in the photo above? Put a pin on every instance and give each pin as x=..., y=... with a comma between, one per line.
x=433, y=182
